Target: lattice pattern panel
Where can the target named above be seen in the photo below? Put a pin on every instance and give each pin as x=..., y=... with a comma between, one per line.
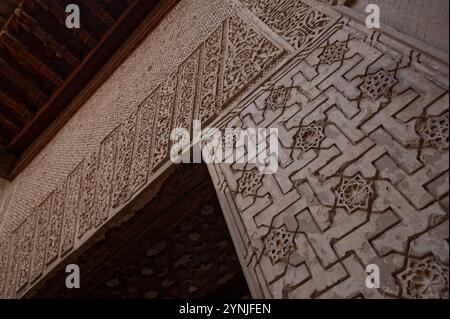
x=363, y=175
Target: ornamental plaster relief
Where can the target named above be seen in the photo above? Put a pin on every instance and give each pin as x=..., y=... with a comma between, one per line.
x=106, y=179
x=363, y=178
x=364, y=135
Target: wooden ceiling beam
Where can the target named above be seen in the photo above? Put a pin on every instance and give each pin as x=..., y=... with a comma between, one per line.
x=33, y=93
x=28, y=60
x=6, y=7
x=2, y=21
x=32, y=26
x=11, y=128
x=99, y=12
x=7, y=162
x=55, y=8
x=15, y=107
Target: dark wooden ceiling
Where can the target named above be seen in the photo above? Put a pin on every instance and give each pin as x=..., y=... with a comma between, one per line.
x=6, y=9
x=44, y=65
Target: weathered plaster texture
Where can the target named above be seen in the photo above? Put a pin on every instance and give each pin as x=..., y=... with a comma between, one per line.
x=425, y=20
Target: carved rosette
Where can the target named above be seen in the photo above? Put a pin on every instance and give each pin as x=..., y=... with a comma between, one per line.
x=355, y=193
x=225, y=65
x=333, y=53
x=434, y=131
x=279, y=244
x=278, y=98
x=309, y=137
x=250, y=182
x=378, y=84
x=425, y=279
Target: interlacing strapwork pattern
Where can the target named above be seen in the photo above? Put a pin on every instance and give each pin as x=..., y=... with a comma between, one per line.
x=226, y=64
x=363, y=169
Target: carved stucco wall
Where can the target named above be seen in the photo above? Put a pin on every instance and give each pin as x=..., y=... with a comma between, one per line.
x=165, y=48
x=363, y=173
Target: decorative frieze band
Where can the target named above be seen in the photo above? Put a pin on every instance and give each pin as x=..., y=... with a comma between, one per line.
x=224, y=65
